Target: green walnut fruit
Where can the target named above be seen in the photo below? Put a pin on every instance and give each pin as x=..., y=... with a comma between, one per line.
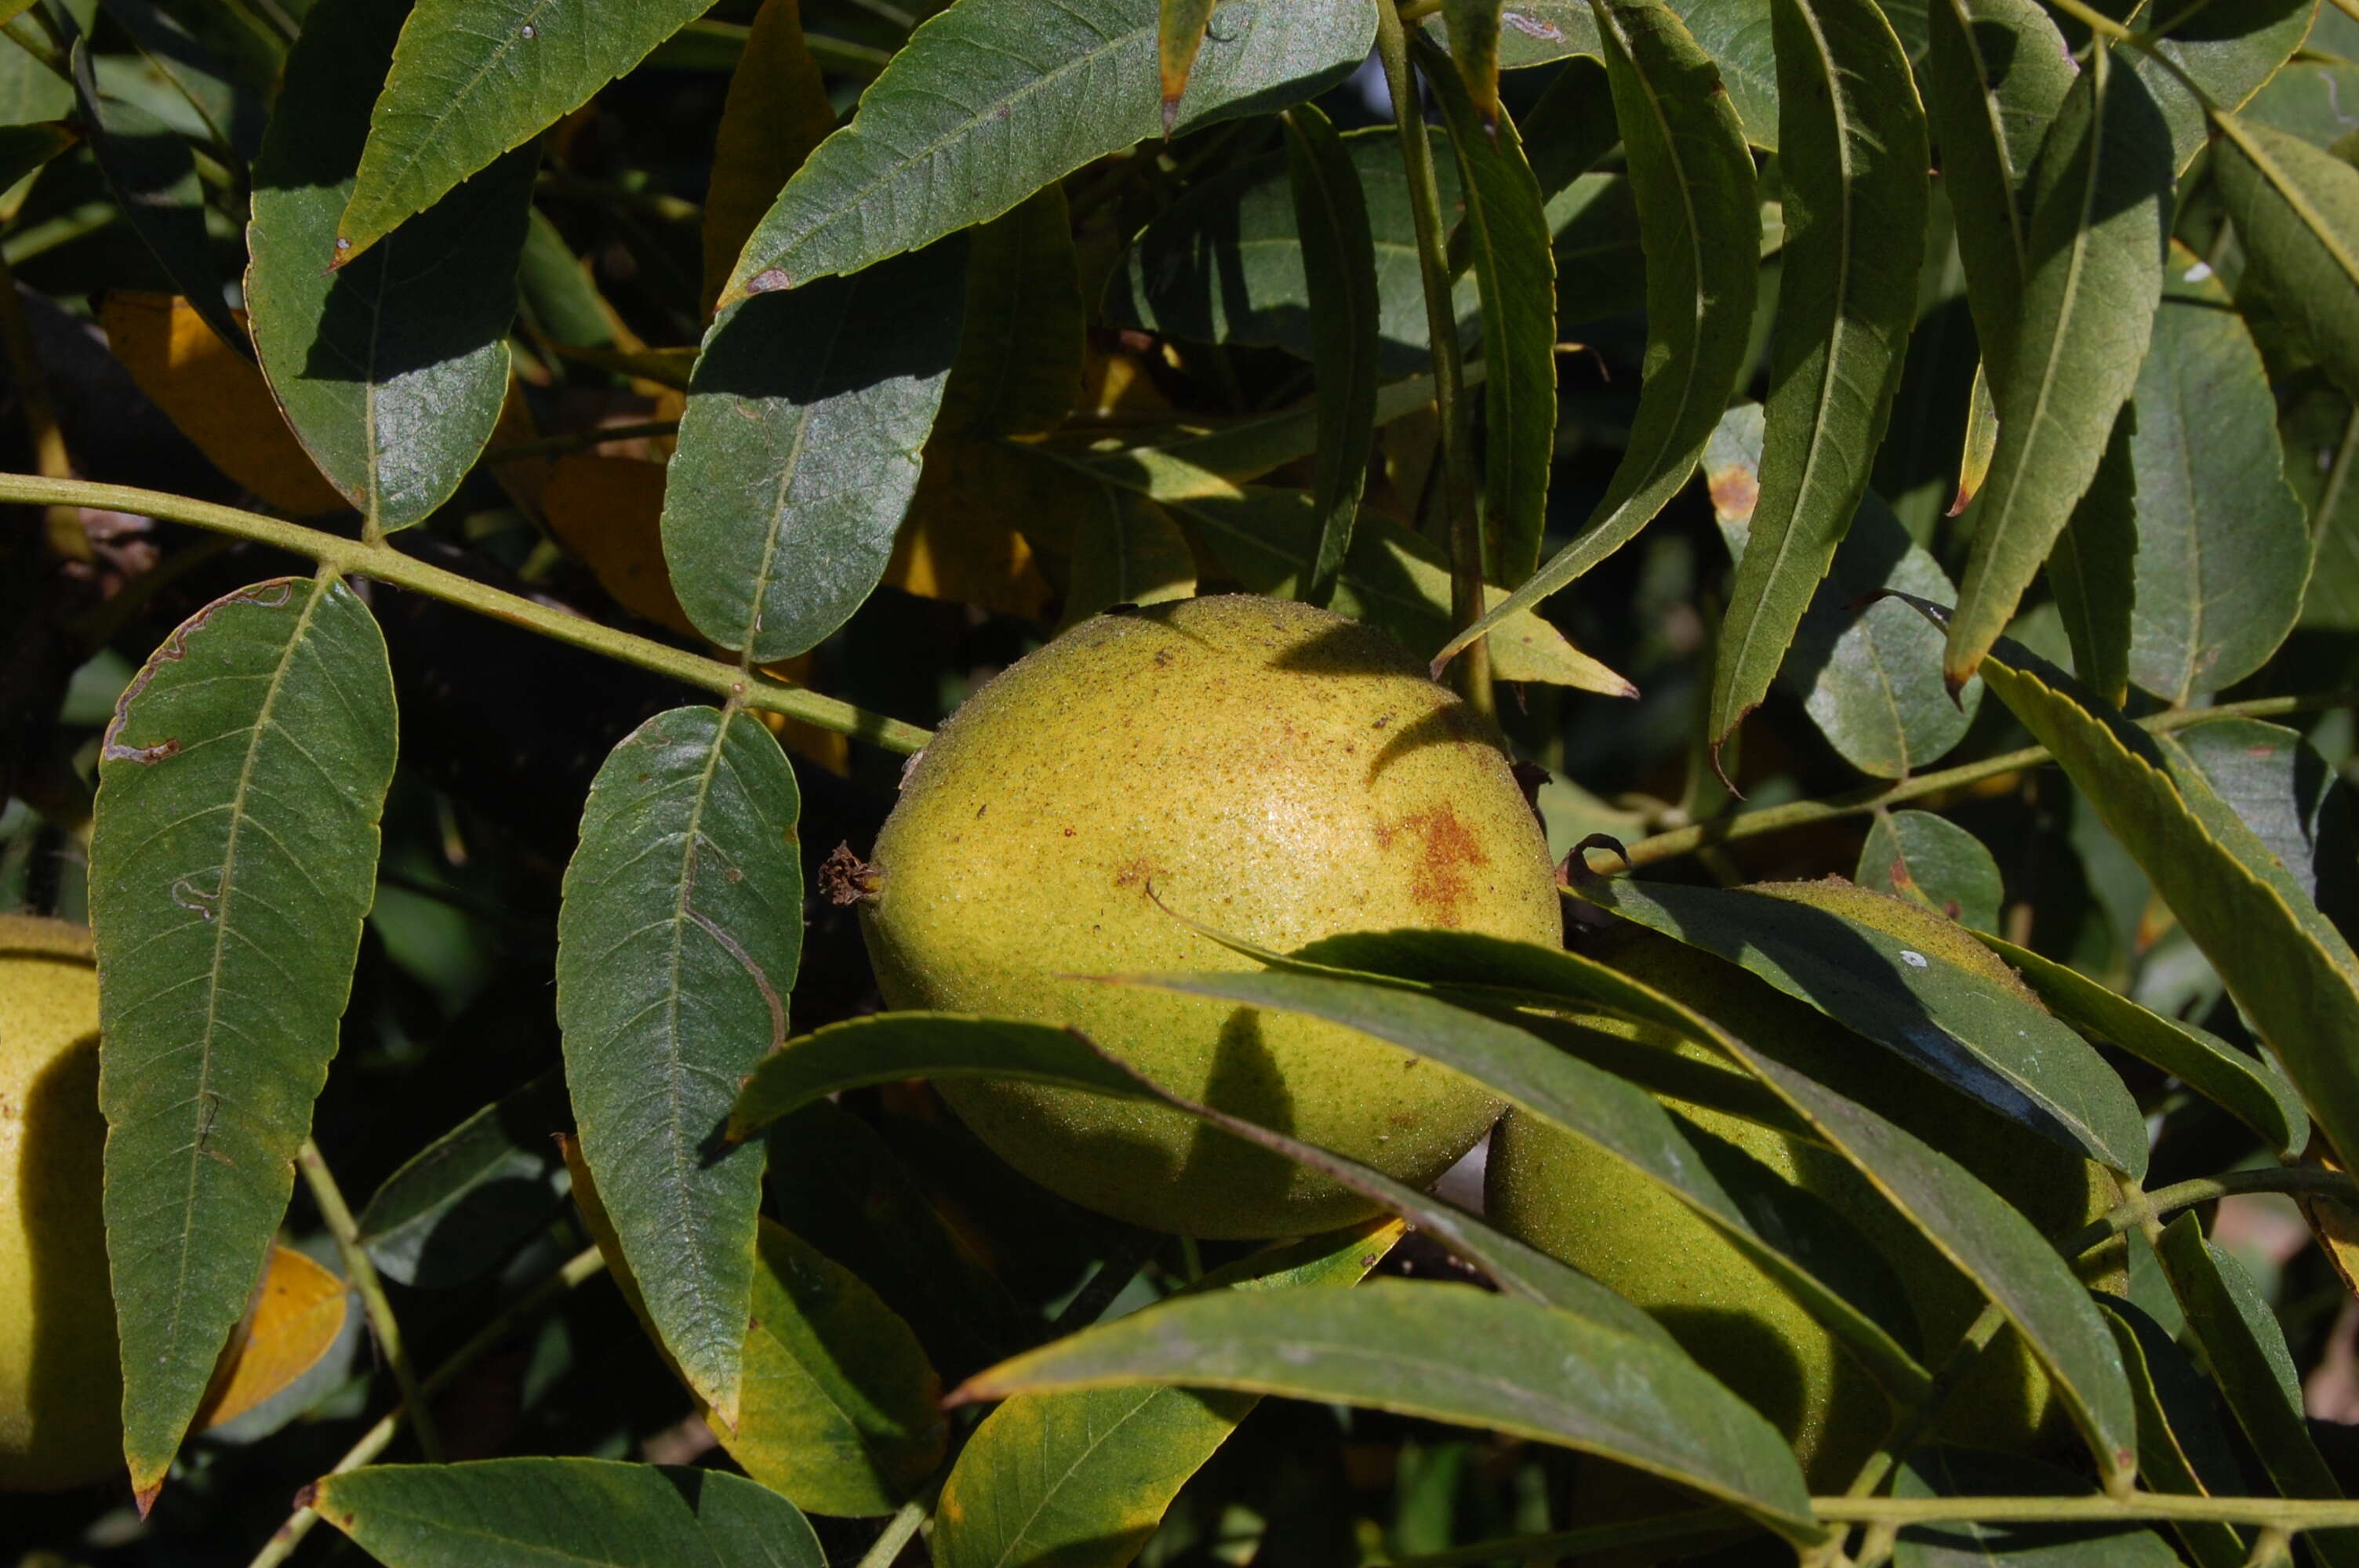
x=60, y=1386
x=1584, y=1207
x=1269, y=770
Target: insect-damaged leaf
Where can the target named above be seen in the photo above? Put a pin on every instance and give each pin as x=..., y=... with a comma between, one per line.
x=234, y=856
x=678, y=941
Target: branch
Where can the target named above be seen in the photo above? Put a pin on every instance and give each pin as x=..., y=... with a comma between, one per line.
x=381, y=561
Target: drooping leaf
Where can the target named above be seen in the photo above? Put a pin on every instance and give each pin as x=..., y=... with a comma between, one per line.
x=1529, y=1371
x=1339, y=263
x=153, y=178
x=993, y=99
x=2236, y=1337
x=2247, y=1086
x=234, y=856
x=461, y=1204
x=776, y=111
x=1507, y=240
x=581, y=1513
x=1223, y=263
x=2297, y=213
x=1552, y=1084
x=1971, y=1226
x=1178, y=36
x=2221, y=549
x=216, y=396
x=1852, y=157
x=1959, y=1026
x=392, y=371
x=2175, y=1425
x=1082, y=1480
x=1969, y=1543
x=840, y=1408
x=2290, y=971
x=471, y=81
x=2283, y=788
x=1865, y=668
x=678, y=942
x=1997, y=73
x=2095, y=562
x=1018, y=371
x=800, y=450
x=1931, y=858
x=2061, y=369
x=297, y=1316
x=1694, y=180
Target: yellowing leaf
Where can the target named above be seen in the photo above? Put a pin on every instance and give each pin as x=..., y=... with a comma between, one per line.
x=608, y=511
x=296, y=1315
x=216, y=396
x=777, y=112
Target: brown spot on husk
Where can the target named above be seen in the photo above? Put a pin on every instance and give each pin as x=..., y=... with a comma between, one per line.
x=1447, y=855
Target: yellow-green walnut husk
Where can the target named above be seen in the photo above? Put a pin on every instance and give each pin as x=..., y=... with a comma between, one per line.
x=1271, y=770
x=1589, y=1210
x=61, y=1385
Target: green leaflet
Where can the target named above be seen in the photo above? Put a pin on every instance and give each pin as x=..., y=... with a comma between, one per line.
x=993, y=99
x=392, y=371
x=1965, y=1471
x=1916, y=855
x=1339, y=264
x=234, y=854
x=459, y=1207
x=2247, y=1086
x=2095, y=560
x=1969, y=1224
x=1950, y=1022
x=2222, y=551
x=2175, y=1425
x=2297, y=211
x=1127, y=550
x=2237, y=1337
x=678, y=942
x=1082, y=1480
x=2229, y=51
x=474, y=78
x=1995, y=76
x=591, y=1513
x=800, y=450
x=1531, y=1371
x=1853, y=158
x=2285, y=964
x=1698, y=214
x=1507, y=240
x=2099, y=208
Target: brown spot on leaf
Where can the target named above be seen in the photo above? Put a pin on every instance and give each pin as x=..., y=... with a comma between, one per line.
x=1447, y=855
x=1734, y=492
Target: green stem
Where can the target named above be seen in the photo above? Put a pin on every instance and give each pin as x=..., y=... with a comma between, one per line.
x=2149, y=1207
x=2292, y=1515
x=386, y=563
x=582, y=1266
x=364, y=1275
x=898, y=1529
x=1686, y=840
x=1441, y=329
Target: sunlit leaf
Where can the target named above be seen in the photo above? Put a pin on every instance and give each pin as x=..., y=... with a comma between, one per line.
x=678, y=942
x=1931, y=859
x=235, y=854
x=297, y=1317
x=2297, y=212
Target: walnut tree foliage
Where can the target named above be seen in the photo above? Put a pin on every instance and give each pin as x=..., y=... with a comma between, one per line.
x=499, y=487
